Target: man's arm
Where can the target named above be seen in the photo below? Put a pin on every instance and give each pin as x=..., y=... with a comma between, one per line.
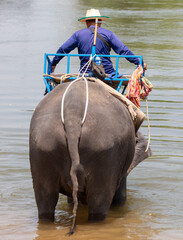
x=121, y=49
x=68, y=46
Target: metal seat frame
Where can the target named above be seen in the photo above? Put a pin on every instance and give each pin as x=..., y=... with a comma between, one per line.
x=120, y=81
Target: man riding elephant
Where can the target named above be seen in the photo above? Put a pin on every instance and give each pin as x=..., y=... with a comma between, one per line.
x=84, y=40
x=85, y=160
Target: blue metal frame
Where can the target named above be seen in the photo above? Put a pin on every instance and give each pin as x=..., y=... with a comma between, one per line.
x=47, y=67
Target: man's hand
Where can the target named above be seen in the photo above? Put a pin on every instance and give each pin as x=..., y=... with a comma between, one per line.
x=145, y=67
x=53, y=68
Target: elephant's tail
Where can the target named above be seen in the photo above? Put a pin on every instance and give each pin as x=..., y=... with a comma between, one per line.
x=76, y=171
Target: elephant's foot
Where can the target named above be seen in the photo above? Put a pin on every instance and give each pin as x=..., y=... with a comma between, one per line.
x=98, y=206
x=96, y=217
x=46, y=217
x=46, y=203
x=119, y=201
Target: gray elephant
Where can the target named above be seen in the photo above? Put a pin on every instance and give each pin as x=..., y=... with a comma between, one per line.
x=90, y=161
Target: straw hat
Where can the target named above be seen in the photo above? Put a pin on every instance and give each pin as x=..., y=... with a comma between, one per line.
x=92, y=14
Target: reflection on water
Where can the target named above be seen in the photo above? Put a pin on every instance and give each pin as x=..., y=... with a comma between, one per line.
x=28, y=29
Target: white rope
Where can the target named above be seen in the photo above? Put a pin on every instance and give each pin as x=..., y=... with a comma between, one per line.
x=148, y=127
x=86, y=104
x=65, y=76
x=63, y=98
x=88, y=63
x=86, y=82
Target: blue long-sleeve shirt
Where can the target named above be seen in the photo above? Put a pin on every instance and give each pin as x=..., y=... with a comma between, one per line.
x=83, y=40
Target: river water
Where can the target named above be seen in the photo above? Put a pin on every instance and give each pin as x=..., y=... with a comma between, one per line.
x=152, y=28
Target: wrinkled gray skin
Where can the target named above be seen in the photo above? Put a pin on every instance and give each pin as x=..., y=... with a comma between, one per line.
x=100, y=152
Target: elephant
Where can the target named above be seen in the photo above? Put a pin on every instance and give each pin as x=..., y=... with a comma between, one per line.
x=88, y=161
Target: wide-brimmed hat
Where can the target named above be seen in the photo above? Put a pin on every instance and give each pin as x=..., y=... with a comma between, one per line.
x=92, y=14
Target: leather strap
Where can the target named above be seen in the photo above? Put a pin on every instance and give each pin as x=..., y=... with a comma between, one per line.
x=102, y=39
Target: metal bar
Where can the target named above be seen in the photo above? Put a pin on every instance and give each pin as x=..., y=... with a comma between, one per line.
x=124, y=89
x=120, y=56
x=100, y=55
x=141, y=60
x=108, y=79
x=141, y=63
x=117, y=64
x=49, y=65
x=66, y=54
x=45, y=63
x=46, y=84
x=93, y=50
x=68, y=64
x=117, y=79
x=45, y=71
x=119, y=85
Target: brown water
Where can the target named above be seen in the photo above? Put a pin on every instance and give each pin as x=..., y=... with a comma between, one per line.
x=151, y=28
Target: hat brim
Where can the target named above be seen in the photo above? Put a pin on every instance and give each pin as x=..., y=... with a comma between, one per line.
x=84, y=19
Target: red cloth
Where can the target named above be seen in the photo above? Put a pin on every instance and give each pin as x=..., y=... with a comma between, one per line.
x=138, y=87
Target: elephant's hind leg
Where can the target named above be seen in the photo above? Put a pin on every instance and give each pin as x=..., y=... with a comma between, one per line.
x=99, y=200
x=98, y=208
x=46, y=193
x=46, y=203
x=120, y=195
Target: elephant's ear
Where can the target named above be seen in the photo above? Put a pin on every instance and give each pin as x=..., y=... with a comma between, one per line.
x=140, y=154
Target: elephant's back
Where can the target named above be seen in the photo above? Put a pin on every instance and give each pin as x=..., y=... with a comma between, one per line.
x=106, y=118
